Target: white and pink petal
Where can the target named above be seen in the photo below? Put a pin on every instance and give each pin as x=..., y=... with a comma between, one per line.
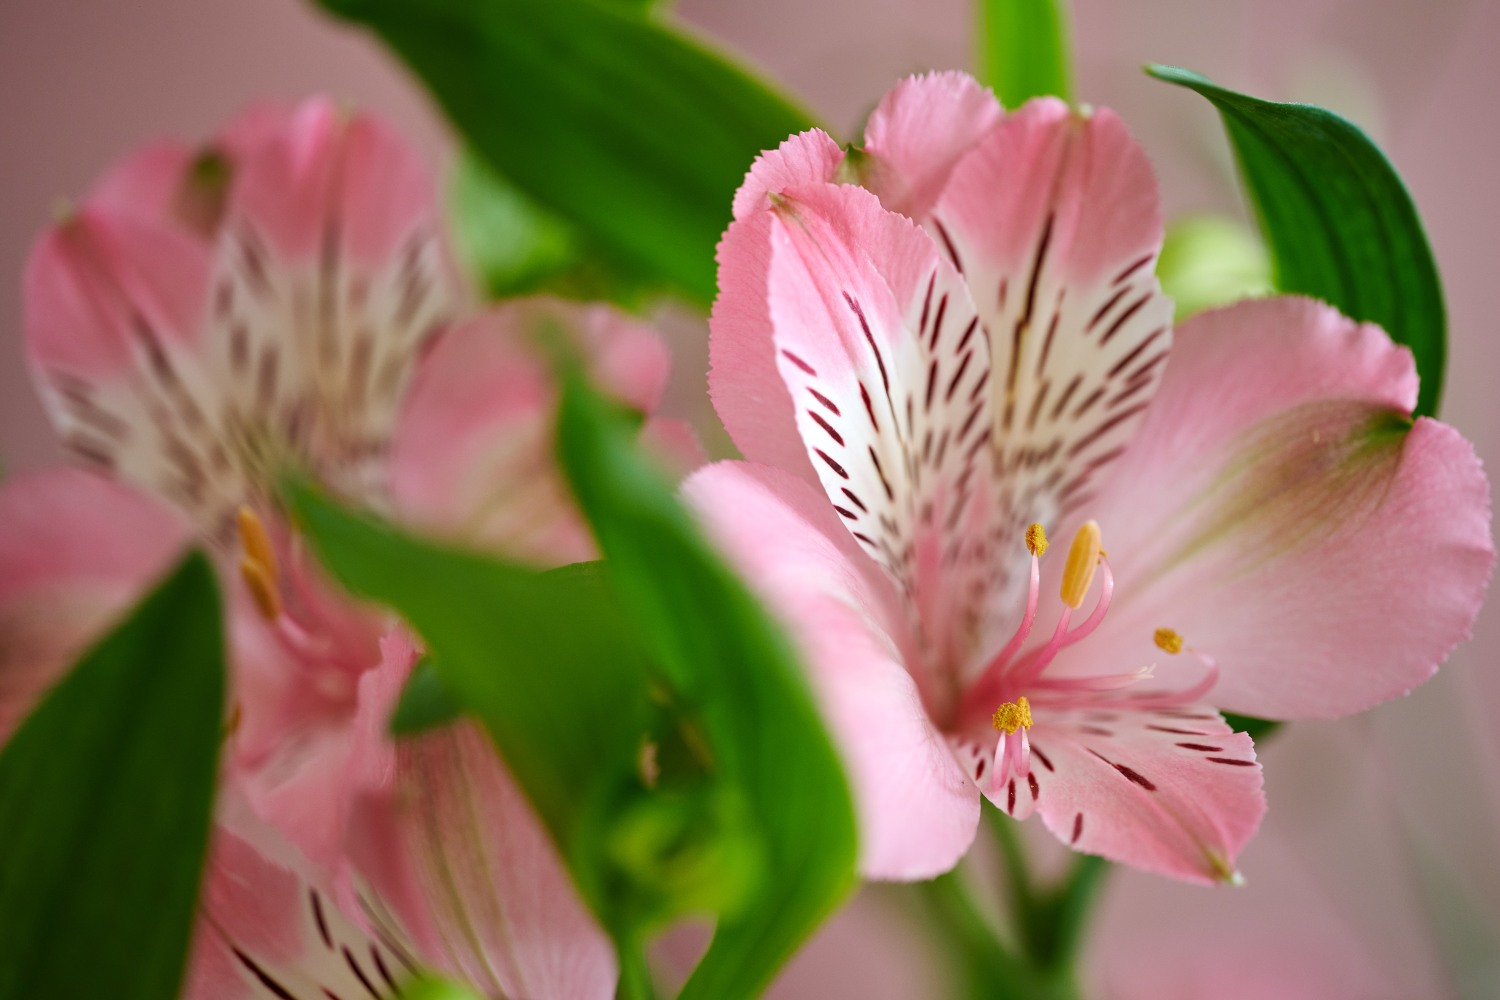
x=1053, y=220
x=270, y=927
x=1291, y=522
x=456, y=861
x=743, y=380
x=1173, y=791
x=917, y=811
x=880, y=348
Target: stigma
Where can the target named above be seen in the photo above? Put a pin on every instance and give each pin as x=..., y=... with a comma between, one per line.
x=1012, y=715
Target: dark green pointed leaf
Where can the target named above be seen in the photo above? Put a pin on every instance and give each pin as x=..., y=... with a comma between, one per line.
x=737, y=674
x=1339, y=222
x=1023, y=49
x=106, y=794
x=426, y=702
x=603, y=115
x=1256, y=729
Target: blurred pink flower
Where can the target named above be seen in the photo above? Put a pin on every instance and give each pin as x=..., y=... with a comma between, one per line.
x=973, y=343
x=208, y=322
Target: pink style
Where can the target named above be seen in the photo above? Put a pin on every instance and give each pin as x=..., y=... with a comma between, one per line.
x=939, y=348
x=204, y=323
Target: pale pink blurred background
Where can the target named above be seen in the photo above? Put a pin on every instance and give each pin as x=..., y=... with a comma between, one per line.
x=1375, y=875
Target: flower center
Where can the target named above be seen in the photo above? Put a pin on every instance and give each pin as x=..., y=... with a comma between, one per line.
x=1013, y=671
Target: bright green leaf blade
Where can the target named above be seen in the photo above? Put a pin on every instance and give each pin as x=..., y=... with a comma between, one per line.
x=732, y=665
x=1023, y=49
x=106, y=795
x=630, y=131
x=1339, y=222
x=1208, y=261
x=436, y=989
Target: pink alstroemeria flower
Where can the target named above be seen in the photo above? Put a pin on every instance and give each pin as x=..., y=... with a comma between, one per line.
x=205, y=323
x=76, y=551
x=927, y=371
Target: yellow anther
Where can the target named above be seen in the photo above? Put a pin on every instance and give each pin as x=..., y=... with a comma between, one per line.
x=1036, y=540
x=1012, y=715
x=1083, y=560
x=262, y=588
x=256, y=542
x=1168, y=641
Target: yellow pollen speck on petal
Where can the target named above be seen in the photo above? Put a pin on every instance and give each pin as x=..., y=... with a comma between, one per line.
x=256, y=542
x=1083, y=560
x=262, y=588
x=1036, y=540
x=1012, y=715
x=1168, y=641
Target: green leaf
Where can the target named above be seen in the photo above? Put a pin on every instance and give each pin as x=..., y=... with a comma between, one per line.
x=1023, y=49
x=106, y=794
x=426, y=702
x=630, y=131
x=516, y=247
x=1256, y=729
x=738, y=675
x=545, y=660
x=1339, y=223
x=1208, y=261
x=428, y=988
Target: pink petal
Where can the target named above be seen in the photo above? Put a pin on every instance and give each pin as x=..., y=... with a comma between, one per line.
x=331, y=276
x=919, y=132
x=75, y=552
x=808, y=158
x=743, y=380
x=105, y=291
x=917, y=810
x=1171, y=791
x=457, y=858
x=1053, y=219
x=473, y=451
x=675, y=446
x=883, y=354
x=1287, y=522
x=146, y=182
x=310, y=738
x=266, y=925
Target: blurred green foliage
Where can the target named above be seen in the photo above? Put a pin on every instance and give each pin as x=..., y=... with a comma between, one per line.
x=648, y=705
x=733, y=670
x=106, y=794
x=1022, y=49
x=600, y=113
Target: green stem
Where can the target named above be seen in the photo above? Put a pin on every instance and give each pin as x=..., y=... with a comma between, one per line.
x=1048, y=922
x=635, y=972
